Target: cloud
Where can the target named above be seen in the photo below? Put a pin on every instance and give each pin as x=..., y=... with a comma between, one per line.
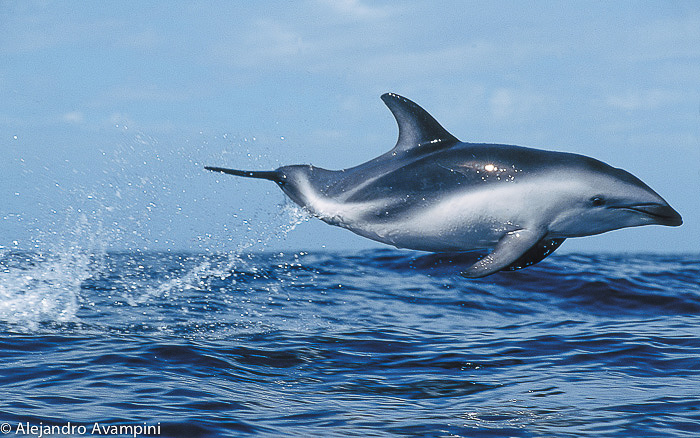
x=502, y=103
x=146, y=93
x=35, y=29
x=511, y=103
x=369, y=44
x=356, y=9
x=73, y=117
x=644, y=99
x=668, y=38
x=265, y=43
x=331, y=37
x=144, y=40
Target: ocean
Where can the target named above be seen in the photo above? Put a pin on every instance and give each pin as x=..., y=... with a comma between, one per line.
x=373, y=343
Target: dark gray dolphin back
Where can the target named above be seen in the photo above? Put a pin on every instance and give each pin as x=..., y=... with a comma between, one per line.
x=419, y=135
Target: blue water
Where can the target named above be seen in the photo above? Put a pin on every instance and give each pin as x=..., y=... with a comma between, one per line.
x=377, y=343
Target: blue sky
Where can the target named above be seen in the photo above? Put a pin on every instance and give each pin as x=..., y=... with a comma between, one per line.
x=108, y=110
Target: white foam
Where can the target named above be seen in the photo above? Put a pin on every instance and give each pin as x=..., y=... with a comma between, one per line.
x=36, y=288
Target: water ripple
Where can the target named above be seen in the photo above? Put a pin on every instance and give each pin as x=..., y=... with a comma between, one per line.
x=375, y=343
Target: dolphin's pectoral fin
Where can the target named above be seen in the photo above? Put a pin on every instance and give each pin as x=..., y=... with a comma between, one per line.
x=536, y=254
x=509, y=250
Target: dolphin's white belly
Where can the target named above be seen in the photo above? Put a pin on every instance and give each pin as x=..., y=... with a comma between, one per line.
x=475, y=219
x=464, y=221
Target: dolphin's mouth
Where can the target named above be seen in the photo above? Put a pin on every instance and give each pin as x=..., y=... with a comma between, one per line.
x=662, y=214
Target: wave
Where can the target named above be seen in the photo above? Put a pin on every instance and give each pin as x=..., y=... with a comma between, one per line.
x=78, y=287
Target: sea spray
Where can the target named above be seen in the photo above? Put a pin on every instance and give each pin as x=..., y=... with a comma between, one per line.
x=222, y=265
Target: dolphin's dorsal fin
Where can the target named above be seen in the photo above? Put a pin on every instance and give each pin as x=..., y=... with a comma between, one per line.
x=416, y=126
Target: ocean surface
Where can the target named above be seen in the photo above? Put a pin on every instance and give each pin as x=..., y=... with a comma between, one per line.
x=377, y=343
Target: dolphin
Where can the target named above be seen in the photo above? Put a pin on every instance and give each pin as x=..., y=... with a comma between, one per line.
x=434, y=193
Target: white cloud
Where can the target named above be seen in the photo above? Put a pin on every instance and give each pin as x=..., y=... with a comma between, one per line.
x=510, y=103
x=266, y=43
x=644, y=99
x=332, y=36
x=144, y=40
x=35, y=29
x=119, y=119
x=148, y=93
x=382, y=46
x=668, y=38
x=357, y=9
x=73, y=117
x=502, y=104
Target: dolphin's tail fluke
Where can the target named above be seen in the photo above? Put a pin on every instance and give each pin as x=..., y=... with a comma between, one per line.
x=273, y=175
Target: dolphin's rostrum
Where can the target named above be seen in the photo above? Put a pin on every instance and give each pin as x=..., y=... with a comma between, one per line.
x=432, y=192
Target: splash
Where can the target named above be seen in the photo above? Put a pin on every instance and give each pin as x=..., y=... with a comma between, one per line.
x=225, y=264
x=37, y=288
x=43, y=285
x=144, y=196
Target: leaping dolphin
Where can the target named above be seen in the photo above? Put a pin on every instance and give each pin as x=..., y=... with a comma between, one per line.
x=432, y=192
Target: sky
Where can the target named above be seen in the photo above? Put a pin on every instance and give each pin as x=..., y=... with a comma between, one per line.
x=109, y=110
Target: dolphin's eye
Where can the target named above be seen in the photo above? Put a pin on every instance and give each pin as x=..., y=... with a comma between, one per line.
x=597, y=201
